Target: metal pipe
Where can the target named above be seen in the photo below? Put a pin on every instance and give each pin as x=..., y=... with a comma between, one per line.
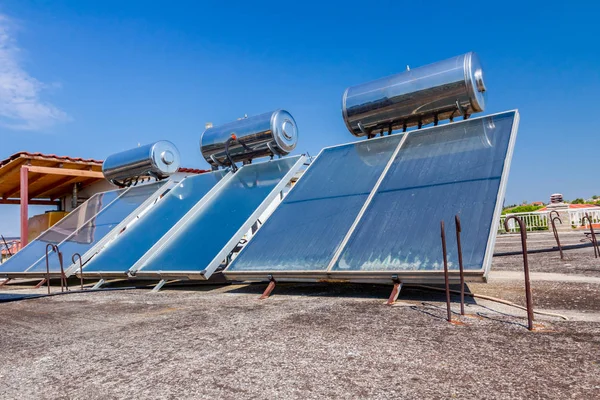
x=562, y=257
x=460, y=265
x=594, y=241
x=525, y=267
x=443, y=233
x=80, y=267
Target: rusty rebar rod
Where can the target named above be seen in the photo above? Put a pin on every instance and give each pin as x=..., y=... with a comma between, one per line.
x=460, y=264
x=63, y=277
x=55, y=249
x=552, y=219
x=80, y=267
x=594, y=241
x=6, y=245
x=446, y=279
x=529, y=300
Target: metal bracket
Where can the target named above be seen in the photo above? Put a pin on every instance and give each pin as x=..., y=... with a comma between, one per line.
x=159, y=285
x=99, y=284
x=39, y=285
x=395, y=291
x=269, y=288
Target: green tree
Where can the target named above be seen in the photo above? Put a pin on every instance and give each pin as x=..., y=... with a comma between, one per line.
x=519, y=209
x=578, y=201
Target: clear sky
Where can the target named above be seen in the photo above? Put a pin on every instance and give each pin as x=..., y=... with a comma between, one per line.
x=90, y=78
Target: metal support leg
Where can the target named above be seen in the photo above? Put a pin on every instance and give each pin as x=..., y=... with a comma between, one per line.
x=269, y=288
x=522, y=227
x=39, y=285
x=159, y=285
x=99, y=284
x=5, y=281
x=445, y=254
x=395, y=291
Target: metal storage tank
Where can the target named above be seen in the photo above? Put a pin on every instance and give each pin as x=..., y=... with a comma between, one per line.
x=272, y=133
x=158, y=160
x=419, y=96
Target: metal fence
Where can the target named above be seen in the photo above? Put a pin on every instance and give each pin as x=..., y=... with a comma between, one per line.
x=538, y=221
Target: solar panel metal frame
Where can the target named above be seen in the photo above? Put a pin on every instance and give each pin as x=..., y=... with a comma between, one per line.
x=113, y=274
x=430, y=276
x=137, y=269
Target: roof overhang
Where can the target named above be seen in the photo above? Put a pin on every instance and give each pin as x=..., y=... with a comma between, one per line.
x=49, y=176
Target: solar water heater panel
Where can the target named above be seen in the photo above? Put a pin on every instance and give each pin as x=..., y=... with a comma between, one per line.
x=197, y=246
x=122, y=253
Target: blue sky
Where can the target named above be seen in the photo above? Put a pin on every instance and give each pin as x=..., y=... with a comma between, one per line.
x=89, y=78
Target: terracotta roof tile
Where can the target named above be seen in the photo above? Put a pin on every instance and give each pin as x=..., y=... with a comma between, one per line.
x=50, y=157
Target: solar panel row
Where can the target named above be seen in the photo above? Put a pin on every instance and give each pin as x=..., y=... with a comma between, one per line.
x=179, y=229
x=362, y=211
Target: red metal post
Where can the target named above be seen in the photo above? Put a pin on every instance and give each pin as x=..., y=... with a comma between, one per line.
x=446, y=279
x=460, y=264
x=528, y=297
x=24, y=204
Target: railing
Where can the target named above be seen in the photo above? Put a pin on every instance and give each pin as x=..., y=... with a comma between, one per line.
x=578, y=215
x=539, y=221
x=534, y=221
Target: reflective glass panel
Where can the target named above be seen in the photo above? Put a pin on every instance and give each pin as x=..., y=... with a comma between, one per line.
x=308, y=226
x=199, y=242
x=95, y=229
x=121, y=254
x=438, y=173
x=64, y=228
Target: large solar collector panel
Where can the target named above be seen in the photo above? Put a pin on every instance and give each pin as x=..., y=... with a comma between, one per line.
x=85, y=233
x=435, y=173
x=121, y=254
x=202, y=239
x=65, y=228
x=127, y=205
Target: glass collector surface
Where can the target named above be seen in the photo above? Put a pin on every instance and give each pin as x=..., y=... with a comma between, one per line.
x=308, y=226
x=198, y=243
x=94, y=230
x=70, y=224
x=439, y=172
x=120, y=255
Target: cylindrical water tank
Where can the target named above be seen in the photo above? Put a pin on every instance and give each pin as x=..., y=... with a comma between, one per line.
x=158, y=160
x=273, y=133
x=438, y=91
